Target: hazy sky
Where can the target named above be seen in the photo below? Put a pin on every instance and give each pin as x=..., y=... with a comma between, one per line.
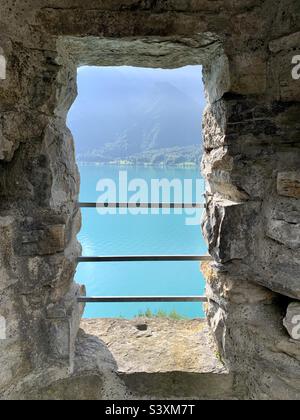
x=110, y=96
x=127, y=80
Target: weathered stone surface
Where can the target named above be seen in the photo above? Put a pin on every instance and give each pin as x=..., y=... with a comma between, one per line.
x=224, y=288
x=292, y=320
x=188, y=367
x=217, y=77
x=228, y=241
x=286, y=88
x=7, y=268
x=96, y=373
x=46, y=241
x=172, y=52
x=289, y=42
x=285, y=233
x=244, y=329
x=288, y=184
x=251, y=69
x=179, y=385
x=251, y=163
x=143, y=349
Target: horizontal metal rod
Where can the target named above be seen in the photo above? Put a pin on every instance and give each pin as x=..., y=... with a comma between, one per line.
x=132, y=299
x=141, y=258
x=143, y=205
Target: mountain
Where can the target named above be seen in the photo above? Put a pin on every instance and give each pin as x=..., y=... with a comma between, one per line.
x=121, y=117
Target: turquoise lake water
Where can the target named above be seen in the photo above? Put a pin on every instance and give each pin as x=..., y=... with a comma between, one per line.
x=139, y=235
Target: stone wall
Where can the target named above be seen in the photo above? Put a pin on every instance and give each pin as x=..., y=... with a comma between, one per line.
x=251, y=163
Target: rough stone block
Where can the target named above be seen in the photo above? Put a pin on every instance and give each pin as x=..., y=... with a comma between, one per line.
x=288, y=184
x=46, y=240
x=250, y=73
x=6, y=147
x=7, y=271
x=59, y=338
x=228, y=228
x=285, y=233
x=285, y=43
x=214, y=125
x=224, y=288
x=63, y=320
x=217, y=78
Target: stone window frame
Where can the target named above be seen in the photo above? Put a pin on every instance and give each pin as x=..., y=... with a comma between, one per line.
x=150, y=52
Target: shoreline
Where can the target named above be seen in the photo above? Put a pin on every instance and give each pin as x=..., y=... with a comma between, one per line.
x=145, y=165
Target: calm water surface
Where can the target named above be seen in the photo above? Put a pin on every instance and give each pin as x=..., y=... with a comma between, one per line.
x=140, y=235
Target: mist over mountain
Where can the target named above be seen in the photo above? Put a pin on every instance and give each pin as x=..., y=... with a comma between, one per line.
x=125, y=113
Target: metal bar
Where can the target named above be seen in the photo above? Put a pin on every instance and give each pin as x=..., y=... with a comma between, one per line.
x=141, y=258
x=132, y=299
x=143, y=205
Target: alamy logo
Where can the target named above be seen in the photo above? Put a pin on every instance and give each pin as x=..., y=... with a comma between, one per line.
x=296, y=329
x=296, y=69
x=2, y=328
x=139, y=190
x=2, y=66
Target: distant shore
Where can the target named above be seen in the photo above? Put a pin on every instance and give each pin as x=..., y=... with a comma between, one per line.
x=183, y=165
x=177, y=157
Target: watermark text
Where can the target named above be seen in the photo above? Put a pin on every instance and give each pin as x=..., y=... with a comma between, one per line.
x=296, y=330
x=296, y=68
x=156, y=191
